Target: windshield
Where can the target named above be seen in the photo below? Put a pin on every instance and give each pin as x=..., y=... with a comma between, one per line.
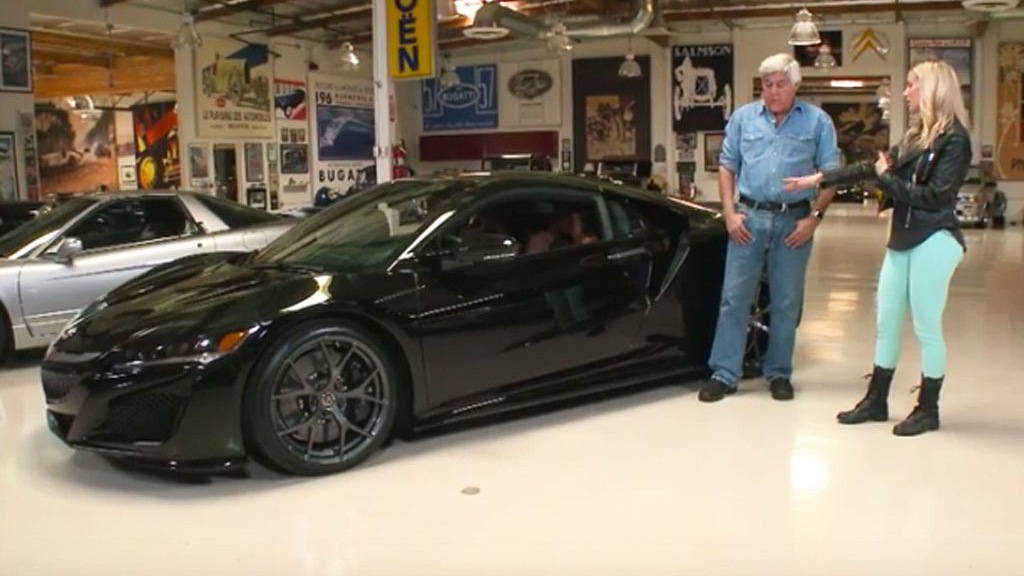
x=235, y=215
x=367, y=230
x=42, y=228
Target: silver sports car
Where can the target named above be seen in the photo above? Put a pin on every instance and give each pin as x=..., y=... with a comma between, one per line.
x=58, y=263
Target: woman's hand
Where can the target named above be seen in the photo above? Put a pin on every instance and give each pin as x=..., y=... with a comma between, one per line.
x=883, y=164
x=798, y=183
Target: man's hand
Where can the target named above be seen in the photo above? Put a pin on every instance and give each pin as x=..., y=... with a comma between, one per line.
x=737, y=230
x=805, y=228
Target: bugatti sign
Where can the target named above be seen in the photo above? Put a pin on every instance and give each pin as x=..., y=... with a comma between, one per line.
x=469, y=104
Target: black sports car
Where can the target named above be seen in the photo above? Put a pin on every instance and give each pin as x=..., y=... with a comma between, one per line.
x=414, y=304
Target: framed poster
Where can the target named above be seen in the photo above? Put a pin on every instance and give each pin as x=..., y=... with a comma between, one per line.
x=199, y=160
x=294, y=159
x=253, y=162
x=472, y=103
x=16, y=52
x=702, y=87
x=8, y=167
x=712, y=148
x=611, y=115
x=233, y=90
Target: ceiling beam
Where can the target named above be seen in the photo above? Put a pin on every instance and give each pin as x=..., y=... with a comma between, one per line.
x=96, y=44
x=677, y=15
x=224, y=9
x=51, y=56
x=109, y=3
x=352, y=13
x=134, y=75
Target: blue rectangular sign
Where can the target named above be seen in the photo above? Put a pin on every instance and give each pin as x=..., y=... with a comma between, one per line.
x=470, y=104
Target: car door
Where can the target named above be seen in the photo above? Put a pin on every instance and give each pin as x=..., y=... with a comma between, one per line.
x=563, y=302
x=121, y=239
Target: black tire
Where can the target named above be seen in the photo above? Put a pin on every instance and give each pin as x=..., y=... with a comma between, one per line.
x=999, y=221
x=982, y=224
x=757, y=332
x=309, y=417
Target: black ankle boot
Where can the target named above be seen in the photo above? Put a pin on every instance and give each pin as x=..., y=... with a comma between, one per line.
x=925, y=415
x=875, y=404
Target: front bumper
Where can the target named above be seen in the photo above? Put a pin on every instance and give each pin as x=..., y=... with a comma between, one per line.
x=173, y=416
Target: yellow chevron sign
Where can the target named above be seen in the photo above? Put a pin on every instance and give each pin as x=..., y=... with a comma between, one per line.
x=870, y=40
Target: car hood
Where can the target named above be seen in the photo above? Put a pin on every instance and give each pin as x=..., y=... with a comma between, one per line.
x=180, y=303
x=969, y=189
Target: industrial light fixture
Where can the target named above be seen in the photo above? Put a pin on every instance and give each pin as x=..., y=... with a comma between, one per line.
x=449, y=76
x=347, y=59
x=825, y=59
x=447, y=12
x=187, y=36
x=804, y=32
x=558, y=39
x=630, y=68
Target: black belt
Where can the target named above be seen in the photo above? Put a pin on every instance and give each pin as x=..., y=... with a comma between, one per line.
x=775, y=206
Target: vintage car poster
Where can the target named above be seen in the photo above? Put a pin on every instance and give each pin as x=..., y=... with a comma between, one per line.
x=469, y=104
x=157, y=161
x=77, y=151
x=290, y=102
x=860, y=131
x=1009, y=161
x=233, y=90
x=702, y=87
x=345, y=130
x=611, y=115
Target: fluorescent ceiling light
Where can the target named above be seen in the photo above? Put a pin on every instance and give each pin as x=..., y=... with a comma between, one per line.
x=846, y=83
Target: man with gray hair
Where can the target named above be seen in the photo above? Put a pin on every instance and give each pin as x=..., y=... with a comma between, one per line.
x=766, y=141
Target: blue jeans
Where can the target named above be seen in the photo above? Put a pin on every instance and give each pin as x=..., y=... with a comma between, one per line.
x=786, y=269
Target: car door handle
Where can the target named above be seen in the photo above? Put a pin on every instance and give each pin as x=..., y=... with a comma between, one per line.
x=624, y=254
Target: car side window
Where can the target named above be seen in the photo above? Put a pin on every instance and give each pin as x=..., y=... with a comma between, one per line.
x=625, y=219
x=122, y=222
x=537, y=224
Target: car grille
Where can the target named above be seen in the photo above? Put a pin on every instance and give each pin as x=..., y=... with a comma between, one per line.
x=142, y=417
x=56, y=385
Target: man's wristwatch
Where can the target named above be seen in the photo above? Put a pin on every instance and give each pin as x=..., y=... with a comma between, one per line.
x=819, y=214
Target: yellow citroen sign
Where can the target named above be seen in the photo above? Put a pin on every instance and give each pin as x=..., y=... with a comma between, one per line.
x=868, y=39
x=411, y=39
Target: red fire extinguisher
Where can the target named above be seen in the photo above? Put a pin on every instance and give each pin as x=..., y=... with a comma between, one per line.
x=399, y=162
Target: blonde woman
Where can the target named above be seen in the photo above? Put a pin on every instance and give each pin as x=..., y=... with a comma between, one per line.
x=919, y=179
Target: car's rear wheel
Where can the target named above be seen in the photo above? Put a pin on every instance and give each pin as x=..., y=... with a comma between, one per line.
x=757, y=332
x=5, y=336
x=325, y=399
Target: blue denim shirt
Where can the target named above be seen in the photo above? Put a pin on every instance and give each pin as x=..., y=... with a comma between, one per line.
x=761, y=154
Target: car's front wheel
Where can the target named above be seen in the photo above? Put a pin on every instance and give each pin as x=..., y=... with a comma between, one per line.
x=324, y=399
x=757, y=332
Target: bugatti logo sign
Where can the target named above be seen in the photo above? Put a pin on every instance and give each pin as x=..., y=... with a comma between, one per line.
x=459, y=96
x=529, y=84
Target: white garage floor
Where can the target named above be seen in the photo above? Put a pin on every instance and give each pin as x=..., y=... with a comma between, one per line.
x=650, y=483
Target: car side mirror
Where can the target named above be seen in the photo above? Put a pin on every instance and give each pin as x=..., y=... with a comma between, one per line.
x=68, y=248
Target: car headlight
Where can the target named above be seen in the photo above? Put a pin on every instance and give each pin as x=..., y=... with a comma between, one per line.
x=202, y=349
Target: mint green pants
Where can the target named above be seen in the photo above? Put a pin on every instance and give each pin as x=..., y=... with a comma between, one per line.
x=917, y=279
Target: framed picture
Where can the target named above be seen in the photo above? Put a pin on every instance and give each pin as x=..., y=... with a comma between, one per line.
x=284, y=135
x=253, y=162
x=199, y=160
x=128, y=173
x=8, y=167
x=712, y=148
x=16, y=57
x=294, y=159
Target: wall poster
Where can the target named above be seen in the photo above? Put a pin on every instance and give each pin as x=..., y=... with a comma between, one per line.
x=27, y=128
x=611, y=115
x=77, y=152
x=8, y=167
x=345, y=131
x=470, y=104
x=860, y=132
x=702, y=87
x=233, y=90
x=1009, y=161
x=157, y=161
x=290, y=102
x=15, y=60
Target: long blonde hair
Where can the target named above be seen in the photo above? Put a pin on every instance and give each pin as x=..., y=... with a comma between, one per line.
x=940, y=103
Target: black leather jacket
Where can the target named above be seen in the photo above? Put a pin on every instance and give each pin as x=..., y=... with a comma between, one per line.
x=921, y=187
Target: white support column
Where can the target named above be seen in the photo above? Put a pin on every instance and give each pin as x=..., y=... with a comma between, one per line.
x=382, y=91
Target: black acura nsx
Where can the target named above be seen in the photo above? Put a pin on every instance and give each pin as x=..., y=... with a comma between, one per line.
x=415, y=304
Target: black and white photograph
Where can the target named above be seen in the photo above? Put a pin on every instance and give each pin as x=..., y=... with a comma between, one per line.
x=712, y=149
x=16, y=59
x=294, y=158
